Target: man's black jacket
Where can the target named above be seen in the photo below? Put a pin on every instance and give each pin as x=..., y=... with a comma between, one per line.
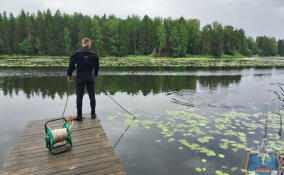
x=87, y=64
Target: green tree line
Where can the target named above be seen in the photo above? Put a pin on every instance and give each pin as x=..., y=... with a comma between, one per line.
x=45, y=33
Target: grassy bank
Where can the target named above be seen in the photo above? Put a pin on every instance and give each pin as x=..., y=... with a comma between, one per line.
x=135, y=61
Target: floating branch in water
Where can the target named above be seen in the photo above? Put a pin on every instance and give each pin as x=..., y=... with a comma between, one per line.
x=280, y=100
x=186, y=98
x=265, y=129
x=280, y=130
x=279, y=84
x=181, y=93
x=174, y=100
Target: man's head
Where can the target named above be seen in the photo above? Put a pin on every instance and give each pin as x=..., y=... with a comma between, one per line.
x=86, y=42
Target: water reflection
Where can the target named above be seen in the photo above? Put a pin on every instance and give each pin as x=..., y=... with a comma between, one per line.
x=131, y=84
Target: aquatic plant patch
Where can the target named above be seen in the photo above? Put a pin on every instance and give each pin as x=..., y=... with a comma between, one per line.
x=62, y=61
x=231, y=132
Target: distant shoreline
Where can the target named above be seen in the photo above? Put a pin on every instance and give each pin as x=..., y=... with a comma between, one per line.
x=139, y=61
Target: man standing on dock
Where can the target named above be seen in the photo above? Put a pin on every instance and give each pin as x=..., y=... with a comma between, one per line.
x=87, y=69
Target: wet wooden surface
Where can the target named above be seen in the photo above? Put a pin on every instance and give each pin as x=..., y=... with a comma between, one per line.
x=91, y=153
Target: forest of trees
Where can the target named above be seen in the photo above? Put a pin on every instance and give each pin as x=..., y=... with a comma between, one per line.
x=45, y=33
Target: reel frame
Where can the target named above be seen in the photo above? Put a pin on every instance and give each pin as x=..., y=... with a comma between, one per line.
x=49, y=141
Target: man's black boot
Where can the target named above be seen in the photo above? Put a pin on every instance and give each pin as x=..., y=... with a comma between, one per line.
x=79, y=118
x=93, y=116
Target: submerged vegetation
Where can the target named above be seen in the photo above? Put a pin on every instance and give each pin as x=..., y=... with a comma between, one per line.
x=136, y=61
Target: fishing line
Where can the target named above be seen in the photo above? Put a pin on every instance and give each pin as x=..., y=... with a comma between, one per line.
x=265, y=129
x=121, y=136
x=62, y=134
x=68, y=94
x=280, y=99
x=133, y=118
x=120, y=105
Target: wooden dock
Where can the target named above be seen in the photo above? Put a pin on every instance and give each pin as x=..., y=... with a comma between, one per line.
x=91, y=153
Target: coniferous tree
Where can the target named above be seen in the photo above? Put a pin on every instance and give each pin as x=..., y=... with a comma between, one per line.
x=123, y=42
x=183, y=38
x=40, y=34
x=273, y=47
x=161, y=34
x=37, y=47
x=168, y=23
x=194, y=36
x=111, y=35
x=1, y=35
x=74, y=29
x=26, y=47
x=252, y=46
x=67, y=41
x=242, y=42
x=11, y=33
x=58, y=41
x=229, y=40
x=84, y=27
x=217, y=39
x=6, y=35
x=146, y=36
x=281, y=47
x=96, y=36
x=206, y=39
x=20, y=30
x=174, y=42
x=155, y=40
x=134, y=22
x=267, y=46
x=49, y=34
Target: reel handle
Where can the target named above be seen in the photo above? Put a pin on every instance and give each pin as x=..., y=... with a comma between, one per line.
x=45, y=125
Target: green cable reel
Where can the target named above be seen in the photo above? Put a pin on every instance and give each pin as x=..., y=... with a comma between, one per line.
x=50, y=141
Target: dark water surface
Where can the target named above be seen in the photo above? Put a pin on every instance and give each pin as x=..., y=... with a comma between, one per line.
x=188, y=121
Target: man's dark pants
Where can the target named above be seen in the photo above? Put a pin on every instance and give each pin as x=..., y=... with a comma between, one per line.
x=80, y=92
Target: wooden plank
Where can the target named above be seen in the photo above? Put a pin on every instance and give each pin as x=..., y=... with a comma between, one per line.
x=40, y=130
x=63, y=165
x=43, y=160
x=96, y=168
x=40, y=139
x=42, y=155
x=91, y=153
x=76, y=142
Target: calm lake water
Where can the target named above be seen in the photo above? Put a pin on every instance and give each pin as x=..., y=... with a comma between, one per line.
x=189, y=121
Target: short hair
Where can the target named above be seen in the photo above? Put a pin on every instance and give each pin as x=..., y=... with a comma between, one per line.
x=86, y=41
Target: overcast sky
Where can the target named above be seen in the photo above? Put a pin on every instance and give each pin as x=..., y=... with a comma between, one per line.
x=256, y=17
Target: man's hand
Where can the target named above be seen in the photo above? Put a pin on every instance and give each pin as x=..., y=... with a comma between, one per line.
x=70, y=79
